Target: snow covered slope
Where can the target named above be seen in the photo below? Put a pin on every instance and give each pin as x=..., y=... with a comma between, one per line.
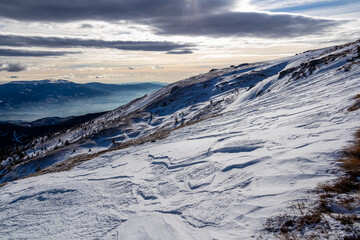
x=209, y=157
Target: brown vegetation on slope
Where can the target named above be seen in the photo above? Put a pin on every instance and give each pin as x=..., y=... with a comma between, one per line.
x=77, y=160
x=356, y=105
x=335, y=212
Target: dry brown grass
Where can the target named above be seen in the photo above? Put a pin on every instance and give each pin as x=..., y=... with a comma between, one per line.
x=77, y=160
x=308, y=220
x=352, y=166
x=356, y=105
x=340, y=185
x=70, y=163
x=350, y=202
x=348, y=219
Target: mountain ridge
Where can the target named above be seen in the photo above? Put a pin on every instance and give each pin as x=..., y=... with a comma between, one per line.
x=208, y=157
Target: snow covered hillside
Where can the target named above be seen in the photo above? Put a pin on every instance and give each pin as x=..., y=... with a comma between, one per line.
x=209, y=157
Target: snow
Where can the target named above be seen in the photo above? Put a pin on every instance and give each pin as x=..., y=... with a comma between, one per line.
x=220, y=178
x=158, y=226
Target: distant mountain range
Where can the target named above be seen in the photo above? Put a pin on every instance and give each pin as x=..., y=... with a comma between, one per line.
x=31, y=100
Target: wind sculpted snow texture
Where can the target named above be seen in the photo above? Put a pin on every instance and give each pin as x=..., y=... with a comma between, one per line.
x=272, y=132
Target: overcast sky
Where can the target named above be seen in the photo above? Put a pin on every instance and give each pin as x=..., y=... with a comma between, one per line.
x=161, y=40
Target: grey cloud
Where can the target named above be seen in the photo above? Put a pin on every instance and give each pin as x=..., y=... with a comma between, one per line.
x=56, y=42
x=174, y=17
x=185, y=51
x=68, y=76
x=55, y=10
x=13, y=77
x=253, y=24
x=157, y=67
x=12, y=67
x=86, y=25
x=27, y=53
x=131, y=68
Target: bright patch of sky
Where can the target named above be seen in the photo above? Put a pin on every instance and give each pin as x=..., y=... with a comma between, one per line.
x=323, y=8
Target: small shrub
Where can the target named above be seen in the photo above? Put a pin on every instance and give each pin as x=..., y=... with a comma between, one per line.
x=348, y=219
x=341, y=185
x=313, y=217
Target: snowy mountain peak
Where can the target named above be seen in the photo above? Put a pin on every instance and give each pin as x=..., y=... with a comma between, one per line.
x=208, y=157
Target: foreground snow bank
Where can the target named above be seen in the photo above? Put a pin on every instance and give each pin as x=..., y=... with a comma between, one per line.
x=158, y=226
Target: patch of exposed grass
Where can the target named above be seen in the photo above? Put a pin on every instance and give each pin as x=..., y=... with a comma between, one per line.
x=333, y=211
x=356, y=105
x=350, y=202
x=77, y=160
x=340, y=185
x=348, y=219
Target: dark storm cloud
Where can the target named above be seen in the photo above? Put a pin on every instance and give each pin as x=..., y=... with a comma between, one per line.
x=26, y=53
x=56, y=42
x=173, y=17
x=12, y=67
x=244, y=24
x=62, y=11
